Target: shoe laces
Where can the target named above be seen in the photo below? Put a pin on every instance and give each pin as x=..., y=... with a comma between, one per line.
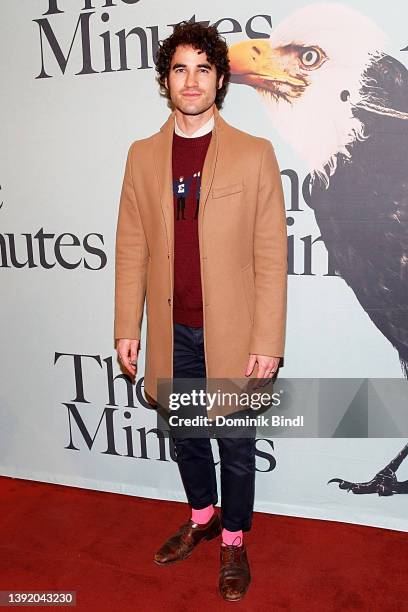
x=232, y=553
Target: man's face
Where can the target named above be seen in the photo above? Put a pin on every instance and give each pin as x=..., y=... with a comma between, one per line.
x=192, y=81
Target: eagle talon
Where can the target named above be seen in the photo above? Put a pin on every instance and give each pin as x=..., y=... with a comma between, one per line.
x=384, y=483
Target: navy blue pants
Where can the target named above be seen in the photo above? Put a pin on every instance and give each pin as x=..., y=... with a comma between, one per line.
x=194, y=455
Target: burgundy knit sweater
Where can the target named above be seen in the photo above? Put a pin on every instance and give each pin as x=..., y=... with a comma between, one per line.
x=188, y=160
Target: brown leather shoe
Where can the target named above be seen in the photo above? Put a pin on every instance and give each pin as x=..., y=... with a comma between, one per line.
x=235, y=576
x=181, y=544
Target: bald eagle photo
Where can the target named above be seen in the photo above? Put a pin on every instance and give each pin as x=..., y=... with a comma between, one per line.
x=341, y=102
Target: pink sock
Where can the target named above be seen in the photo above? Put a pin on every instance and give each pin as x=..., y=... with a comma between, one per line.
x=202, y=516
x=232, y=537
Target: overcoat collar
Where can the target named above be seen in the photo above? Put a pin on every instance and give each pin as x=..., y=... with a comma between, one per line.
x=163, y=157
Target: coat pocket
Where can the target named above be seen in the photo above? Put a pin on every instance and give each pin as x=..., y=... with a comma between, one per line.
x=248, y=283
x=219, y=192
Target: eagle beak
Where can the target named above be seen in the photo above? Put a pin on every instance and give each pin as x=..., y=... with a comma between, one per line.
x=257, y=64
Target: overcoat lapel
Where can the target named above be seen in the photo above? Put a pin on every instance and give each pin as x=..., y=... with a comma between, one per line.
x=209, y=165
x=163, y=157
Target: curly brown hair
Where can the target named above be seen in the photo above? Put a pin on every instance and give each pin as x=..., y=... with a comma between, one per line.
x=202, y=38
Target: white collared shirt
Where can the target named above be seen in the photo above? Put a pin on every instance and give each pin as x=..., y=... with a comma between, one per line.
x=204, y=129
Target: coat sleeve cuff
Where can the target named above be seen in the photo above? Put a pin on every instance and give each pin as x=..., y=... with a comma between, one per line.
x=259, y=346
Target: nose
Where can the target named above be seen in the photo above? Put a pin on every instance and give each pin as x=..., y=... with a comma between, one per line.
x=191, y=79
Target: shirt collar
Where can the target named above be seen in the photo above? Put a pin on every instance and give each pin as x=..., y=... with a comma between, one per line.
x=204, y=129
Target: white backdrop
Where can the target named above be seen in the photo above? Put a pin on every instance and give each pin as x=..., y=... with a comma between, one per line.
x=64, y=141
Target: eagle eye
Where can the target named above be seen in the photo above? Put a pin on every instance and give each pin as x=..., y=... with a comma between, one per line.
x=310, y=57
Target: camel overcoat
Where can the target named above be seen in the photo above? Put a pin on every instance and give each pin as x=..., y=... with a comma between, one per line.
x=242, y=243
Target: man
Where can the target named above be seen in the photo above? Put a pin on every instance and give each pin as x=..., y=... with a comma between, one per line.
x=215, y=283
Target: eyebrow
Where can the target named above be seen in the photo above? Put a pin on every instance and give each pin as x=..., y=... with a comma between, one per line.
x=198, y=66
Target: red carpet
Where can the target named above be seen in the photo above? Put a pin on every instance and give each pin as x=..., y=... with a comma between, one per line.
x=101, y=545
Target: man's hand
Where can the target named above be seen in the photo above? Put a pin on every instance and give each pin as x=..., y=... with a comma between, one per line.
x=267, y=365
x=127, y=354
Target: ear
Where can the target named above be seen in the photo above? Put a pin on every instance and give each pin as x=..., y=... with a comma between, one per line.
x=165, y=82
x=220, y=81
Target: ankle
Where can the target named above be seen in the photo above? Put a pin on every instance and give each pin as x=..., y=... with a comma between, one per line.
x=203, y=515
x=235, y=538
